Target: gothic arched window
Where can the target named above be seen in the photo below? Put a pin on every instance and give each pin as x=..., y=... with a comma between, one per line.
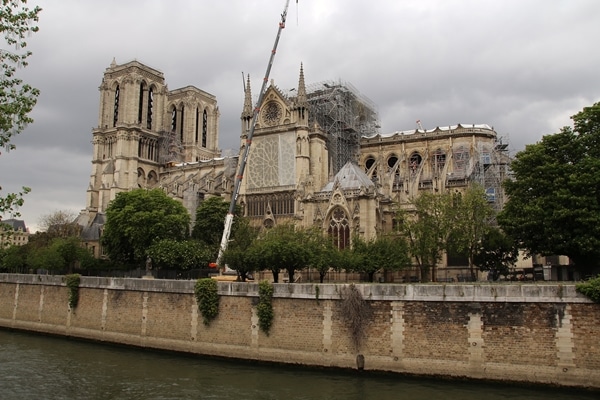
x=181, y=124
x=339, y=228
x=197, y=123
x=204, y=128
x=116, y=108
x=461, y=159
x=141, y=102
x=439, y=160
x=414, y=162
x=149, y=108
x=392, y=163
x=174, y=119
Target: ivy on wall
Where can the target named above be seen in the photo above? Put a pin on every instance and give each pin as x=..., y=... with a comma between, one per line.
x=590, y=288
x=72, y=282
x=207, y=297
x=264, y=309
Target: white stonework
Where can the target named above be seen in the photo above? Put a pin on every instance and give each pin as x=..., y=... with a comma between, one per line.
x=298, y=169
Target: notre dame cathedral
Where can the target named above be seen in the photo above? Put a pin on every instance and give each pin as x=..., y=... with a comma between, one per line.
x=317, y=158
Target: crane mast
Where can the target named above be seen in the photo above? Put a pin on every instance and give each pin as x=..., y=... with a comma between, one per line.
x=242, y=166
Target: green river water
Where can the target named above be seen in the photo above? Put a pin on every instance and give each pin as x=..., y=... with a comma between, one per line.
x=44, y=367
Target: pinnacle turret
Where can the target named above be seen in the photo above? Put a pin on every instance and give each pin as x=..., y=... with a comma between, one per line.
x=247, y=112
x=301, y=101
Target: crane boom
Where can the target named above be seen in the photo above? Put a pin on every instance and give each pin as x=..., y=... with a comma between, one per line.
x=242, y=166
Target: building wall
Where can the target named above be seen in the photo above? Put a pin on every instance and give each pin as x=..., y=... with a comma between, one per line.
x=13, y=232
x=290, y=156
x=530, y=333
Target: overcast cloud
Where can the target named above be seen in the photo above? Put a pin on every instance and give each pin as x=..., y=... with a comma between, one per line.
x=521, y=66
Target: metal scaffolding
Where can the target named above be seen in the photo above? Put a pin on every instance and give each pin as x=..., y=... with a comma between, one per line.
x=490, y=168
x=170, y=148
x=345, y=114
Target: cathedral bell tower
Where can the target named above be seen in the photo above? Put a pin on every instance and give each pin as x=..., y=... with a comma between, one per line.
x=126, y=141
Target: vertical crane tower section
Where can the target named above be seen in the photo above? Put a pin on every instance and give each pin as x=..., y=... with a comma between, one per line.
x=244, y=159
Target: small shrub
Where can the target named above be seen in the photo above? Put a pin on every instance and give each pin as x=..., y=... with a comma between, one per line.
x=207, y=297
x=72, y=282
x=264, y=309
x=590, y=288
x=356, y=312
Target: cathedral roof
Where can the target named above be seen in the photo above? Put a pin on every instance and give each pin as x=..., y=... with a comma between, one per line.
x=350, y=176
x=439, y=129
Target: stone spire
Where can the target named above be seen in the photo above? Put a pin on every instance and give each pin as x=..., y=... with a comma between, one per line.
x=247, y=113
x=301, y=101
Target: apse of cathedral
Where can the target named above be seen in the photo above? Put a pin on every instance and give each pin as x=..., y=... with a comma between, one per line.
x=317, y=157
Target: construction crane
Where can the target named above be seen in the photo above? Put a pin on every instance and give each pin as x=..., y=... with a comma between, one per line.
x=244, y=159
x=419, y=126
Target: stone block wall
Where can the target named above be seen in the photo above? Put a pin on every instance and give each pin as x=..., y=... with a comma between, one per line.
x=537, y=333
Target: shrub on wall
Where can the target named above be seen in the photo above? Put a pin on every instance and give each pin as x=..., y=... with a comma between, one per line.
x=356, y=312
x=72, y=282
x=207, y=297
x=590, y=288
x=264, y=309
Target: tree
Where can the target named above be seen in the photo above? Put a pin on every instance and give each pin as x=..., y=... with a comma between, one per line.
x=45, y=258
x=323, y=255
x=237, y=255
x=210, y=222
x=137, y=219
x=553, y=205
x=70, y=250
x=59, y=254
x=13, y=259
x=427, y=229
x=496, y=253
x=472, y=215
x=281, y=248
x=17, y=99
x=59, y=223
x=385, y=252
x=180, y=254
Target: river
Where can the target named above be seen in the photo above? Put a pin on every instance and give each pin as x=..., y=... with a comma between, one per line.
x=44, y=367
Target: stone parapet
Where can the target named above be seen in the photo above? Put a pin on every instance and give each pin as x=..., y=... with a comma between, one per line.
x=539, y=333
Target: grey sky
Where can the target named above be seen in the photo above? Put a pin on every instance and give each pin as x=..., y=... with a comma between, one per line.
x=521, y=66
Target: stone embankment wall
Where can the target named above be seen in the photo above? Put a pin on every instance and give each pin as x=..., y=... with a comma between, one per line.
x=536, y=333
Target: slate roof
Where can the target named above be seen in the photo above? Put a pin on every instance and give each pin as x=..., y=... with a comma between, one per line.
x=16, y=224
x=350, y=176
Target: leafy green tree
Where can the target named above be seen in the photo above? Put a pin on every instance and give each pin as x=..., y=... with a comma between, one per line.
x=323, y=255
x=59, y=254
x=388, y=252
x=472, y=215
x=347, y=259
x=427, y=229
x=281, y=248
x=237, y=255
x=553, y=205
x=70, y=250
x=13, y=259
x=17, y=99
x=47, y=258
x=137, y=219
x=180, y=254
x=210, y=222
x=496, y=253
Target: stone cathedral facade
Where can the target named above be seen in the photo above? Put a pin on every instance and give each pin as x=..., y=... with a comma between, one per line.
x=316, y=158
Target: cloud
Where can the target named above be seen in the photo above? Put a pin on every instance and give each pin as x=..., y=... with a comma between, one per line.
x=522, y=66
